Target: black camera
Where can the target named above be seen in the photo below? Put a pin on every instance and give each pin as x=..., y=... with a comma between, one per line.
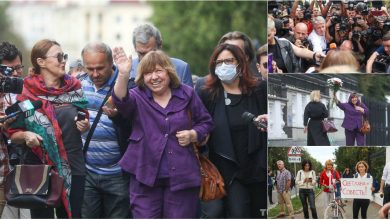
x=344, y=26
x=9, y=84
x=386, y=26
x=276, y=13
x=335, y=19
x=307, y=44
x=356, y=35
x=381, y=64
x=362, y=8
x=351, y=5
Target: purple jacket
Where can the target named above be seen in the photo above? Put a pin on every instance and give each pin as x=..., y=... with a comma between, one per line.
x=352, y=118
x=153, y=146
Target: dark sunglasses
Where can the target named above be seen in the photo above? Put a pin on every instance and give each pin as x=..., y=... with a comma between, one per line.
x=60, y=57
x=265, y=65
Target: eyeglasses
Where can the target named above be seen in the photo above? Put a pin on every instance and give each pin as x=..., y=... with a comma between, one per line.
x=60, y=57
x=227, y=61
x=265, y=65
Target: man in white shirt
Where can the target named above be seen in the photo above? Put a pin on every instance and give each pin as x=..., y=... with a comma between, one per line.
x=384, y=190
x=317, y=36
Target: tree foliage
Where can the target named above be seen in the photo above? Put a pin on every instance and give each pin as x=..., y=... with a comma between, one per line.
x=7, y=34
x=349, y=156
x=192, y=29
x=280, y=153
x=375, y=86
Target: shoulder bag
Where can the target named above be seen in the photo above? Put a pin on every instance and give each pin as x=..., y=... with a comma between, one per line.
x=212, y=185
x=328, y=126
x=34, y=186
x=366, y=127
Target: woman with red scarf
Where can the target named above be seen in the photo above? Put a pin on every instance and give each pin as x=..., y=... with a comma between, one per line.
x=54, y=127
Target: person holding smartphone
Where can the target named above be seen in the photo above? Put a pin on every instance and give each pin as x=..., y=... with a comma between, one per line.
x=306, y=180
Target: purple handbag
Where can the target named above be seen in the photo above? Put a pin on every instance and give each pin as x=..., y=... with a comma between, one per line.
x=328, y=126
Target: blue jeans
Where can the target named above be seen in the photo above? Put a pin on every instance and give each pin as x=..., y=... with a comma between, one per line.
x=106, y=196
x=304, y=195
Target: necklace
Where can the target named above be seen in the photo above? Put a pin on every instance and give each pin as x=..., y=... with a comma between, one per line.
x=227, y=100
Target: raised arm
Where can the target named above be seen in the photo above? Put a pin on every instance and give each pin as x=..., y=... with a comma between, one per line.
x=124, y=66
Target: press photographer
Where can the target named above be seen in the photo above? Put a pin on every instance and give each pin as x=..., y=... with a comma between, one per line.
x=380, y=59
x=10, y=69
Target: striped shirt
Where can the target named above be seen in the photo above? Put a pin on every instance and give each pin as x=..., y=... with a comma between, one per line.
x=103, y=152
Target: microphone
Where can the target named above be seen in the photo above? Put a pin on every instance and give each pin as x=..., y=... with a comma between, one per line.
x=27, y=108
x=249, y=117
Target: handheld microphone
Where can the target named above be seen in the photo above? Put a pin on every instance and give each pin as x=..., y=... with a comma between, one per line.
x=27, y=108
x=249, y=117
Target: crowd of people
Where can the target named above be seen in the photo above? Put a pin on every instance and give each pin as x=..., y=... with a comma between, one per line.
x=131, y=154
x=328, y=180
x=352, y=34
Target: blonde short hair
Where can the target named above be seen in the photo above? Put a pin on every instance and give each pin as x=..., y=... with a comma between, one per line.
x=328, y=162
x=315, y=95
x=361, y=162
x=148, y=64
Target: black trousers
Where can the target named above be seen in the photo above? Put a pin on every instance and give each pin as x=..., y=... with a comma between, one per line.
x=360, y=204
x=269, y=193
x=76, y=200
x=242, y=201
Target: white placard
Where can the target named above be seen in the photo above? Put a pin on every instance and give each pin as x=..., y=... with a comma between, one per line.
x=356, y=188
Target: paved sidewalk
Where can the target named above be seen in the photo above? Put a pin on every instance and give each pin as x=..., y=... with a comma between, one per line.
x=372, y=212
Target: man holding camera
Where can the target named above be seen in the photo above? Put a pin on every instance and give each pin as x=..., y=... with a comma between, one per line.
x=382, y=51
x=11, y=65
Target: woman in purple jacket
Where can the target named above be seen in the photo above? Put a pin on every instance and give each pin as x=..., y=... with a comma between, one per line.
x=164, y=172
x=354, y=113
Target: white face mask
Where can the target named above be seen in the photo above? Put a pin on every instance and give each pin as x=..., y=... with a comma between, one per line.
x=226, y=73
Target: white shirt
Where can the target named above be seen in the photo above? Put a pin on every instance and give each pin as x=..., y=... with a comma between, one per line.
x=319, y=42
x=386, y=174
x=301, y=175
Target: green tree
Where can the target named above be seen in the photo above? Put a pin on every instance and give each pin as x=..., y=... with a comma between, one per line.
x=7, y=34
x=375, y=86
x=349, y=156
x=280, y=153
x=192, y=29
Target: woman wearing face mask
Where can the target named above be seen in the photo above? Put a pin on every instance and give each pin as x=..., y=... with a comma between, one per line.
x=237, y=148
x=354, y=113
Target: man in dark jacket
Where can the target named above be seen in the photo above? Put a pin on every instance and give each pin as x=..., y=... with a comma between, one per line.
x=284, y=53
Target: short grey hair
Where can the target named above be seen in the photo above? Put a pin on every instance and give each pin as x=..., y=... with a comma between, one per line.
x=99, y=47
x=317, y=20
x=144, y=32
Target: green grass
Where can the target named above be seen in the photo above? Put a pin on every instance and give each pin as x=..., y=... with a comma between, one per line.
x=297, y=205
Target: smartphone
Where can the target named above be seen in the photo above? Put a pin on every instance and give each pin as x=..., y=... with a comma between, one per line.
x=81, y=116
x=270, y=69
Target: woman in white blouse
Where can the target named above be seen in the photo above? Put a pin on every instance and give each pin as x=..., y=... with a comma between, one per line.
x=361, y=168
x=306, y=181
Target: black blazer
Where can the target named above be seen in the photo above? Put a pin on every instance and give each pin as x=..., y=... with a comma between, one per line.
x=220, y=146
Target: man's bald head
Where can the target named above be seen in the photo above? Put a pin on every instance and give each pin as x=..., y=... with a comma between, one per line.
x=300, y=31
x=346, y=45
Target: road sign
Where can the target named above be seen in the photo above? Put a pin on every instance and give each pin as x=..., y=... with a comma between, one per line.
x=294, y=159
x=294, y=151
